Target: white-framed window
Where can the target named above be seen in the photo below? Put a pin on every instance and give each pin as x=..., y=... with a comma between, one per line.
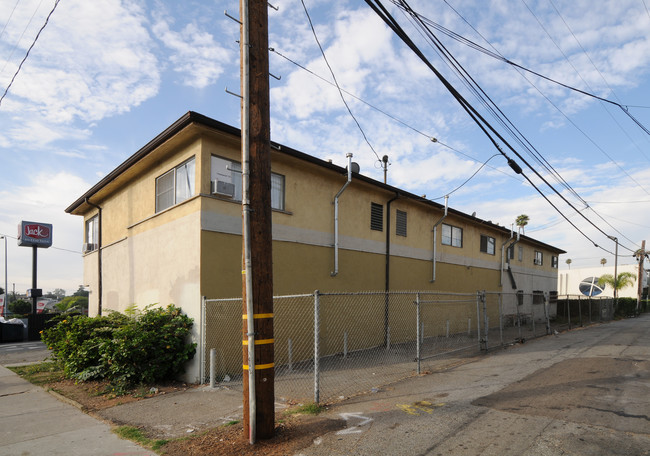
x=539, y=258
x=226, y=180
x=452, y=235
x=487, y=244
x=175, y=186
x=92, y=234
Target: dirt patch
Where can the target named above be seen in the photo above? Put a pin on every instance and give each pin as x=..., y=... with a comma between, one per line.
x=291, y=435
x=94, y=396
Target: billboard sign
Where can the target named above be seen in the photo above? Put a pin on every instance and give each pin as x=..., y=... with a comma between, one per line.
x=33, y=234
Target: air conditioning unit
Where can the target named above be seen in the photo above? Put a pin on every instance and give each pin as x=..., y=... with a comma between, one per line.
x=222, y=188
x=89, y=247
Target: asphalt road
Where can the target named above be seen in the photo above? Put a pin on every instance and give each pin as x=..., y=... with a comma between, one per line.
x=584, y=392
x=12, y=353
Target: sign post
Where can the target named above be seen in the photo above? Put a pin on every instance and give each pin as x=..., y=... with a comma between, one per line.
x=34, y=235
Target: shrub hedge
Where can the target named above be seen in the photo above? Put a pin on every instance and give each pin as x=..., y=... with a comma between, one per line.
x=126, y=350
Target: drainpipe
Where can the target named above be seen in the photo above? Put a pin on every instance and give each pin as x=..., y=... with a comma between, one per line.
x=99, y=254
x=336, y=216
x=387, y=276
x=506, y=245
x=435, y=238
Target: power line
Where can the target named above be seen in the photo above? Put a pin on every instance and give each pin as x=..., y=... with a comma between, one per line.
x=56, y=2
x=336, y=82
x=431, y=138
x=380, y=10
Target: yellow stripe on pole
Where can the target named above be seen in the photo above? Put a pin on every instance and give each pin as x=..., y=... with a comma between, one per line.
x=260, y=341
x=260, y=366
x=258, y=316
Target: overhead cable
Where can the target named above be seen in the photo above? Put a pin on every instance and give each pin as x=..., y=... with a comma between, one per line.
x=47, y=19
x=380, y=10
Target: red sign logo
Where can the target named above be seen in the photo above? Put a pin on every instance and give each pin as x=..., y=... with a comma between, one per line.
x=37, y=231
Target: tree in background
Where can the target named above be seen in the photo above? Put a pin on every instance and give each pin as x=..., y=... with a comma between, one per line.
x=522, y=221
x=568, y=262
x=81, y=292
x=625, y=279
x=70, y=303
x=603, y=261
x=20, y=307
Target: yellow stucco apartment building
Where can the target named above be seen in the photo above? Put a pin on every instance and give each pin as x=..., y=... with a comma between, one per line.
x=165, y=227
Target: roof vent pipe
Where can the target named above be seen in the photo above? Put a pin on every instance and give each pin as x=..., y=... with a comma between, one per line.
x=435, y=238
x=336, y=216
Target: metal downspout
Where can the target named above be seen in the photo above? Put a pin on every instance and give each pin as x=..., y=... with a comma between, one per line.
x=387, y=274
x=336, y=216
x=503, y=256
x=99, y=255
x=245, y=137
x=435, y=238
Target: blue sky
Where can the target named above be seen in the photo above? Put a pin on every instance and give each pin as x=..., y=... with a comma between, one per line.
x=107, y=76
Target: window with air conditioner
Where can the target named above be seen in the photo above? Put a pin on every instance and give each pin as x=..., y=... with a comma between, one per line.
x=175, y=186
x=226, y=181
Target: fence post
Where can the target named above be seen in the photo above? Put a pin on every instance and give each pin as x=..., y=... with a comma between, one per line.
x=487, y=318
x=580, y=314
x=418, y=334
x=316, y=347
x=546, y=313
x=501, y=318
x=213, y=367
x=290, y=354
x=202, y=338
x=478, y=319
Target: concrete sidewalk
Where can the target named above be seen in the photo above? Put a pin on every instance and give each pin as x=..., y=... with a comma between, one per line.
x=33, y=422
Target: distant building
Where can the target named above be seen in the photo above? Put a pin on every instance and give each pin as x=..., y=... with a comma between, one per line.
x=165, y=227
x=584, y=281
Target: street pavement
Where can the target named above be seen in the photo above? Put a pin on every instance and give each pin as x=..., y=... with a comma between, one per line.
x=583, y=392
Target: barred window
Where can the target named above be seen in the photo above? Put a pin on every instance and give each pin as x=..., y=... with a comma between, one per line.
x=376, y=217
x=400, y=223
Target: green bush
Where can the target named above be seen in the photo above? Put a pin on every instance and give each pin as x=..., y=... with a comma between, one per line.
x=20, y=307
x=126, y=350
x=626, y=307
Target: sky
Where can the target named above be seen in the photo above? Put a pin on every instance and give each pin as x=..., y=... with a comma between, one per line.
x=105, y=77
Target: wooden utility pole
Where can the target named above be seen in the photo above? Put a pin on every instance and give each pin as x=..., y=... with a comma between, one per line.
x=257, y=283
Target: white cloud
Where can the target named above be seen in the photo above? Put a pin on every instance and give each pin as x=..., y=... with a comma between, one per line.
x=93, y=60
x=194, y=53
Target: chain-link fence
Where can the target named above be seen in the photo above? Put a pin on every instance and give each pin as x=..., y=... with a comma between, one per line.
x=580, y=310
x=334, y=345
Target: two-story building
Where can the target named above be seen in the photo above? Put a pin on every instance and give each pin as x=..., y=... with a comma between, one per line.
x=165, y=227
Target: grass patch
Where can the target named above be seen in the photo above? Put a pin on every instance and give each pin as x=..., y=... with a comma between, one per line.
x=40, y=373
x=306, y=409
x=135, y=435
x=231, y=423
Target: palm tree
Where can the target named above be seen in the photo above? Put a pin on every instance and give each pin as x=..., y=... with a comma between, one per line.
x=522, y=221
x=568, y=262
x=625, y=279
x=603, y=261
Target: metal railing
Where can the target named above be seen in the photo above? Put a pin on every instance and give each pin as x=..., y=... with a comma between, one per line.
x=329, y=346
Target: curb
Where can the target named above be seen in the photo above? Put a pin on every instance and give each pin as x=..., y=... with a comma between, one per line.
x=67, y=400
